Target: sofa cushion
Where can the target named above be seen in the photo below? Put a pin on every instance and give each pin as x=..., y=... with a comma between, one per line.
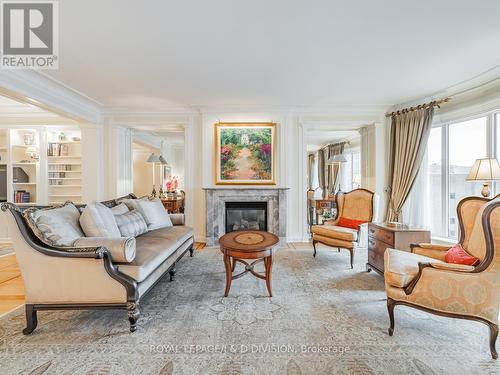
x=334, y=231
x=120, y=209
x=153, y=248
x=350, y=223
x=122, y=249
x=131, y=223
x=154, y=213
x=401, y=267
x=97, y=220
x=55, y=226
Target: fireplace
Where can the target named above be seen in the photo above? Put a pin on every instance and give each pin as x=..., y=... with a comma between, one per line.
x=246, y=216
x=216, y=198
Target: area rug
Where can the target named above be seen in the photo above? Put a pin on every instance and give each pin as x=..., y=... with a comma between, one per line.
x=324, y=318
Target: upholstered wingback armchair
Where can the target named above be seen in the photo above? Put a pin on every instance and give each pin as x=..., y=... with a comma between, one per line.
x=356, y=205
x=423, y=280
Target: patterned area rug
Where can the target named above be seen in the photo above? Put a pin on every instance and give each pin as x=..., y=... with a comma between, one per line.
x=324, y=319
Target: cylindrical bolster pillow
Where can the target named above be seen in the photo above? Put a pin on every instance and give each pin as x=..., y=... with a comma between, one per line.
x=177, y=219
x=122, y=249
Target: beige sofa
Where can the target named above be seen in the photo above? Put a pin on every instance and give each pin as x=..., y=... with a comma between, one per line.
x=96, y=275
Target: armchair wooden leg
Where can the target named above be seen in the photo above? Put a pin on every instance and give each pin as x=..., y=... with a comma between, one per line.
x=314, y=246
x=493, y=339
x=390, y=308
x=32, y=320
x=351, y=251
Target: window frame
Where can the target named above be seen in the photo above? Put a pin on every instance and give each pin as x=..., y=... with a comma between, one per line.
x=492, y=151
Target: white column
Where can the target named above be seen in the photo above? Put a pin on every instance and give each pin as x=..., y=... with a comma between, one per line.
x=189, y=171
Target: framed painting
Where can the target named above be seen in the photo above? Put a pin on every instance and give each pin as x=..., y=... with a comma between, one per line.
x=244, y=153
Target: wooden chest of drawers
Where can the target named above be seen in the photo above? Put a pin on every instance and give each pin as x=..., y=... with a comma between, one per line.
x=382, y=236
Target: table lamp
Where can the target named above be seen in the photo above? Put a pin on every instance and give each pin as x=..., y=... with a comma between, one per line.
x=485, y=170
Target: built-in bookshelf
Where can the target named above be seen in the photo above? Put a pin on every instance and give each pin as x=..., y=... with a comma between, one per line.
x=24, y=165
x=64, y=161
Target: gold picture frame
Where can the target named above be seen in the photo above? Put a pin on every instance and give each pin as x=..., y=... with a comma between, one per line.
x=245, y=153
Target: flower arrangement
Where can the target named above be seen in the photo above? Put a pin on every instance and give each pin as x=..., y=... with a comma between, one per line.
x=172, y=184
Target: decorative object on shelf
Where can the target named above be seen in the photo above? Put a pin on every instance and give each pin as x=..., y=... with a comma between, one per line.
x=485, y=170
x=76, y=139
x=29, y=139
x=19, y=175
x=244, y=153
x=61, y=137
x=32, y=153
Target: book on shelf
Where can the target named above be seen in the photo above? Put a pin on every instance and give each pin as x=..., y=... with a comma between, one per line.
x=22, y=196
x=57, y=149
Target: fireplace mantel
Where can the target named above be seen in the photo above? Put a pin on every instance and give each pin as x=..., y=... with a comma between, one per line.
x=216, y=197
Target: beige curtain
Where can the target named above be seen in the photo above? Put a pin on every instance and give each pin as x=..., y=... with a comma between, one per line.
x=332, y=170
x=409, y=135
x=310, y=171
x=321, y=171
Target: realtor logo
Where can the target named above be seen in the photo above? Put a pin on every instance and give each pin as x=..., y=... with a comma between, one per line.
x=30, y=37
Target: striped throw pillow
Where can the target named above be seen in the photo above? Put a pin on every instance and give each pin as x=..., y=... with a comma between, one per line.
x=131, y=224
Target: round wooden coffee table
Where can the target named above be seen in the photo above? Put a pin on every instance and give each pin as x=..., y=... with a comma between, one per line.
x=248, y=244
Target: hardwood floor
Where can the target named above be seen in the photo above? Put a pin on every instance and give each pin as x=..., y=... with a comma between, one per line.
x=199, y=245
x=11, y=282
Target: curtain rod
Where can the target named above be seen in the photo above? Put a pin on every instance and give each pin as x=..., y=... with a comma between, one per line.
x=425, y=105
x=335, y=144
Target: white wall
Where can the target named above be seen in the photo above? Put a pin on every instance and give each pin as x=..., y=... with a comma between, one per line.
x=291, y=155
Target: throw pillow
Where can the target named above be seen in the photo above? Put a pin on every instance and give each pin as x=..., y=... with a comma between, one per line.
x=154, y=213
x=349, y=223
x=458, y=255
x=97, y=220
x=130, y=203
x=131, y=224
x=120, y=209
x=55, y=226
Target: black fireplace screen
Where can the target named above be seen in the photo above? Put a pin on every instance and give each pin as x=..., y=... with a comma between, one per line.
x=246, y=216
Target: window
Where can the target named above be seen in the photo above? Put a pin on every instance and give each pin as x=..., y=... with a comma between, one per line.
x=467, y=142
x=433, y=165
x=351, y=170
x=451, y=151
x=497, y=148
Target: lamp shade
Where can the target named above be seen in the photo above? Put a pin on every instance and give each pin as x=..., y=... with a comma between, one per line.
x=484, y=170
x=153, y=158
x=162, y=160
x=338, y=158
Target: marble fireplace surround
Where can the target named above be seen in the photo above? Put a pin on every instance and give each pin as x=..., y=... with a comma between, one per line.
x=217, y=197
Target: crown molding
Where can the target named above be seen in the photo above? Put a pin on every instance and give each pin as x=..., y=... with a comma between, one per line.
x=39, y=89
x=462, y=91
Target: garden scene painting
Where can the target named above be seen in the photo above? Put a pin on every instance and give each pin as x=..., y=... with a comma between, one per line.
x=244, y=153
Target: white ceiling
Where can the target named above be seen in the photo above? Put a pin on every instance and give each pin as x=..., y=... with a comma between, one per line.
x=156, y=54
